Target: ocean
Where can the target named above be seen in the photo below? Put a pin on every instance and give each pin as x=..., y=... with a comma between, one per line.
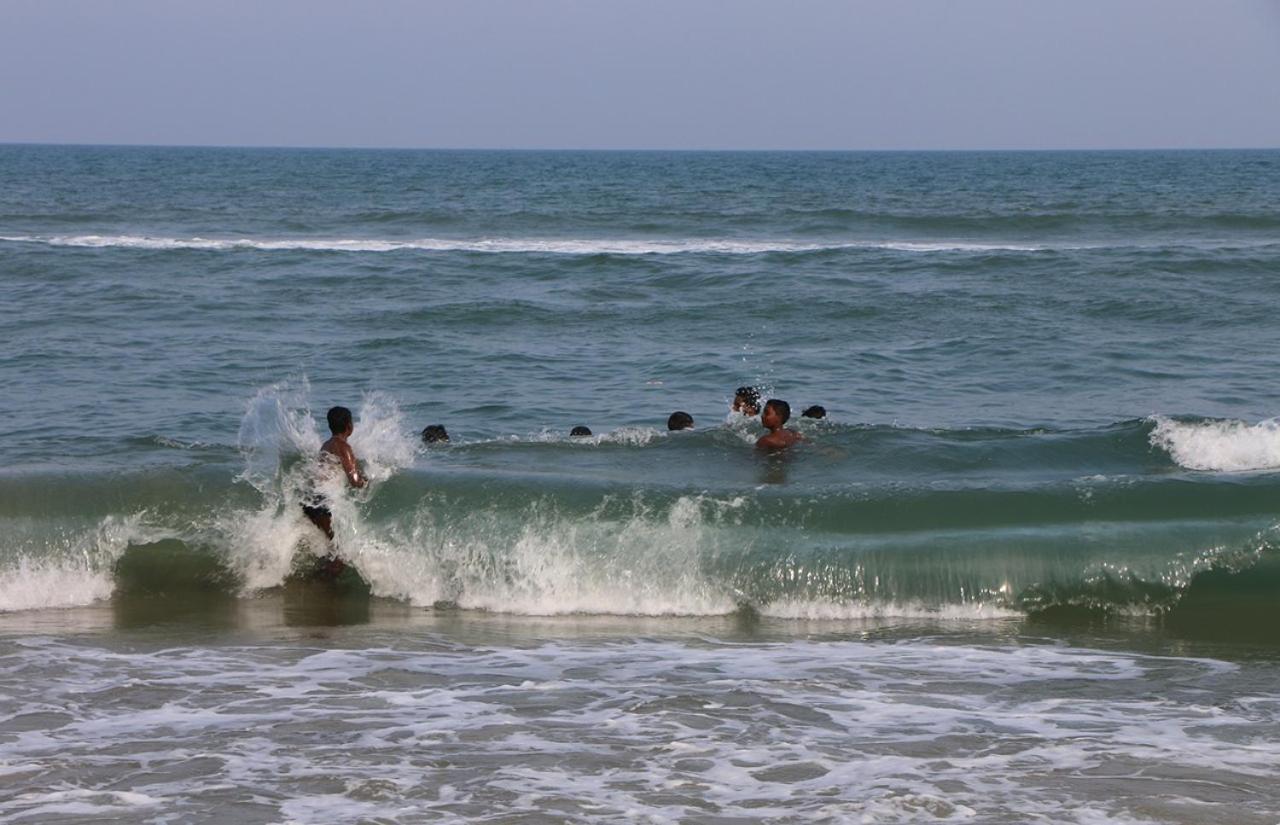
x=1027, y=569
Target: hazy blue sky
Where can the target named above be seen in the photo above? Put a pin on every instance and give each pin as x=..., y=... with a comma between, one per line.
x=804, y=74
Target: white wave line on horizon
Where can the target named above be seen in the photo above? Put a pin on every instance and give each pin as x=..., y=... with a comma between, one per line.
x=561, y=246
x=579, y=246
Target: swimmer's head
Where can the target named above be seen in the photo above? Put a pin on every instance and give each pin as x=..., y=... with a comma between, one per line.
x=580, y=431
x=680, y=420
x=433, y=433
x=339, y=420
x=816, y=411
x=776, y=413
x=747, y=401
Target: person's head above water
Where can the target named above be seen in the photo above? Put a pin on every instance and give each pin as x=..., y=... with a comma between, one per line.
x=433, y=433
x=747, y=401
x=580, y=431
x=776, y=413
x=816, y=411
x=680, y=420
x=340, y=420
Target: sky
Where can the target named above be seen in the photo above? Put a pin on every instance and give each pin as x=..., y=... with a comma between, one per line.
x=657, y=74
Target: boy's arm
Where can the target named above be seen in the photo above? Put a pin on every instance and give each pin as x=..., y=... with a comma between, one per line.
x=350, y=467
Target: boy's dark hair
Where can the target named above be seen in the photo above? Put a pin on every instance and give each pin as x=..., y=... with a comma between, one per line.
x=783, y=408
x=748, y=394
x=816, y=411
x=433, y=433
x=339, y=419
x=679, y=420
x=580, y=430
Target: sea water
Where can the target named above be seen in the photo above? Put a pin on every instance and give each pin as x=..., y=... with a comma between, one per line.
x=1027, y=567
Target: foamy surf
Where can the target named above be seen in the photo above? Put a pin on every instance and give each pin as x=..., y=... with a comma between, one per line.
x=32, y=584
x=616, y=725
x=76, y=570
x=834, y=611
x=1219, y=446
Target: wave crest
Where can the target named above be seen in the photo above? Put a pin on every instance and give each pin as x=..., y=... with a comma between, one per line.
x=1219, y=446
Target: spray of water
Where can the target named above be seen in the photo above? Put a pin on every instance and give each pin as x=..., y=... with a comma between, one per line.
x=280, y=442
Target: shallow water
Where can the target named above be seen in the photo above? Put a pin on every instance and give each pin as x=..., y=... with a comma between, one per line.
x=257, y=714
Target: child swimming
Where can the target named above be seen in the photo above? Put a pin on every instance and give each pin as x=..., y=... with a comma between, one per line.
x=680, y=420
x=747, y=401
x=776, y=413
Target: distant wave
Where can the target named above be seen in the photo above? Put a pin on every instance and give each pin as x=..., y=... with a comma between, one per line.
x=549, y=246
x=609, y=246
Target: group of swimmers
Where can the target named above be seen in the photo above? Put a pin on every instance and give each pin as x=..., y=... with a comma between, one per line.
x=745, y=401
x=336, y=452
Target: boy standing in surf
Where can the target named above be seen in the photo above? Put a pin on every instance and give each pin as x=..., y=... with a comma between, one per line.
x=776, y=413
x=334, y=452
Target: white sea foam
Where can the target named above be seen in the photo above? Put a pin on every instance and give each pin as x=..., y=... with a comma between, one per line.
x=627, y=436
x=534, y=561
x=82, y=803
x=632, y=436
x=38, y=583
x=627, y=729
x=549, y=246
x=829, y=610
x=77, y=573
x=1219, y=446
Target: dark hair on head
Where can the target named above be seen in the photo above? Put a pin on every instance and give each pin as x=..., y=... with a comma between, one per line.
x=339, y=419
x=580, y=430
x=433, y=433
x=748, y=394
x=680, y=420
x=816, y=411
x=783, y=408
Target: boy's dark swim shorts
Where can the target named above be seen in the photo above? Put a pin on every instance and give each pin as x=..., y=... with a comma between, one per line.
x=316, y=512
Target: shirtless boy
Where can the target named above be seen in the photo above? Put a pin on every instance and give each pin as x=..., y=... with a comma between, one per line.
x=776, y=413
x=335, y=451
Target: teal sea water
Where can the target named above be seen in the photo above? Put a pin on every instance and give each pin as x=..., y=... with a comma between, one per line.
x=1028, y=565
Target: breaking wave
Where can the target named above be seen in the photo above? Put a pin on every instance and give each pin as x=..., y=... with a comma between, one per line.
x=457, y=527
x=1219, y=445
